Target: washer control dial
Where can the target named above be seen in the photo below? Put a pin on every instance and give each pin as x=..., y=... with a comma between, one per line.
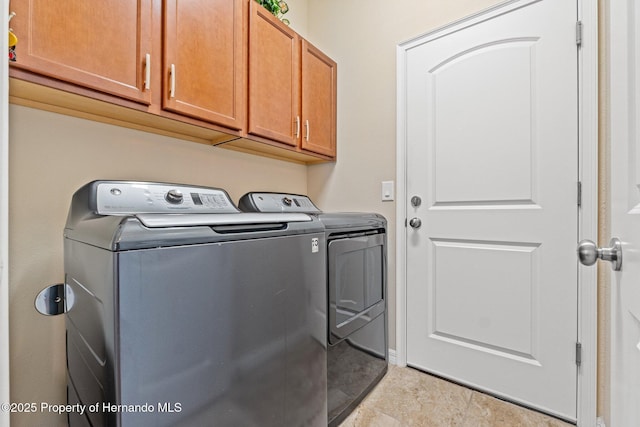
x=287, y=201
x=174, y=197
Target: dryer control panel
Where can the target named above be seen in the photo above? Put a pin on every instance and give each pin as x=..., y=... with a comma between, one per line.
x=277, y=202
x=128, y=197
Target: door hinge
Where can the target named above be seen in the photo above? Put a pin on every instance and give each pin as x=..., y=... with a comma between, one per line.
x=578, y=353
x=579, y=193
x=579, y=33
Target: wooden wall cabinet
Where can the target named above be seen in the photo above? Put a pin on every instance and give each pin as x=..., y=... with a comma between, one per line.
x=274, y=70
x=108, y=46
x=292, y=87
x=318, y=101
x=221, y=72
x=105, y=46
x=204, y=62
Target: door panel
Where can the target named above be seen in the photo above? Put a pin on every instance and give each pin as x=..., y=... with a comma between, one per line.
x=487, y=324
x=493, y=152
x=502, y=77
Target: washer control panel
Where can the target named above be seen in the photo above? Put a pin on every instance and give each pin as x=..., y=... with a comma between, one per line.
x=277, y=202
x=126, y=197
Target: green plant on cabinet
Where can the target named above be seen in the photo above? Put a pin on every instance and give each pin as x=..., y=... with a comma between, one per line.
x=277, y=8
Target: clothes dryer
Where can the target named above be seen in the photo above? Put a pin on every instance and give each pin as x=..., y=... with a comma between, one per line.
x=356, y=289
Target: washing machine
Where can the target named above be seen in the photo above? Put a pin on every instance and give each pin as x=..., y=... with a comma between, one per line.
x=183, y=311
x=356, y=292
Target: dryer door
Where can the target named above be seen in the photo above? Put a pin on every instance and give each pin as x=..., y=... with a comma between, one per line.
x=356, y=282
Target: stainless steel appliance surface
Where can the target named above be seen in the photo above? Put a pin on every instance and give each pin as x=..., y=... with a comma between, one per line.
x=184, y=311
x=356, y=294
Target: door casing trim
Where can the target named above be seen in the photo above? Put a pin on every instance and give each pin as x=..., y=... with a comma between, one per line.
x=588, y=173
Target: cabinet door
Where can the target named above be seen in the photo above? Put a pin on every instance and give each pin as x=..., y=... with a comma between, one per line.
x=103, y=45
x=273, y=78
x=319, y=89
x=205, y=60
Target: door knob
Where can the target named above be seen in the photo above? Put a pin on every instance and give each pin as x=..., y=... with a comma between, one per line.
x=589, y=252
x=415, y=222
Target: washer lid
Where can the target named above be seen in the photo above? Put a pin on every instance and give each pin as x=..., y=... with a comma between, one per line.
x=192, y=220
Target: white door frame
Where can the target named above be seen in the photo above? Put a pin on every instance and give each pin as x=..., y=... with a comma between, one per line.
x=4, y=220
x=588, y=166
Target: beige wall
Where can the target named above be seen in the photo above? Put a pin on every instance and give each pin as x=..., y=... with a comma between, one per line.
x=50, y=157
x=298, y=16
x=362, y=35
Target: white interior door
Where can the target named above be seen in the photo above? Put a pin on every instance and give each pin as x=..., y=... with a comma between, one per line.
x=492, y=152
x=625, y=211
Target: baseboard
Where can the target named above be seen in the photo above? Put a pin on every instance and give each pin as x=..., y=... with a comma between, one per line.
x=392, y=357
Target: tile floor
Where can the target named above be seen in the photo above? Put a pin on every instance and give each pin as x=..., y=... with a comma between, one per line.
x=406, y=397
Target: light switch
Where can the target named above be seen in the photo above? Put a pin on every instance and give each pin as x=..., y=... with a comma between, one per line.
x=387, y=191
